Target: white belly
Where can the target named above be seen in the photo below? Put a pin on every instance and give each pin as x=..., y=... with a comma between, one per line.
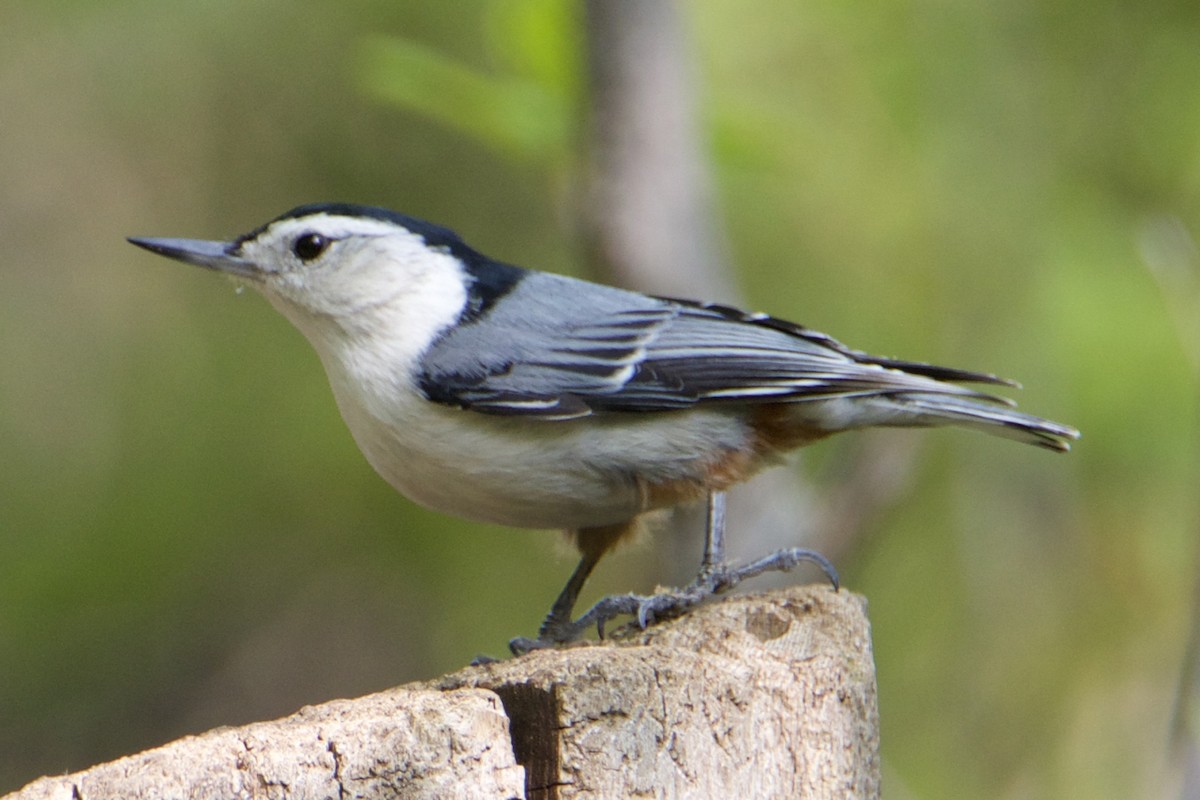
x=532, y=473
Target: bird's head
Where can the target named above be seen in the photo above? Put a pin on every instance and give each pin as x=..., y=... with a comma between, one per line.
x=349, y=265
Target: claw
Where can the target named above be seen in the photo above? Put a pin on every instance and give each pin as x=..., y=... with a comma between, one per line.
x=522, y=645
x=644, y=617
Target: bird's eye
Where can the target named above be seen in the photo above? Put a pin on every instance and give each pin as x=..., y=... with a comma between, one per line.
x=309, y=246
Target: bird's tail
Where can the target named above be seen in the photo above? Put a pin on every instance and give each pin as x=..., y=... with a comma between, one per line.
x=982, y=412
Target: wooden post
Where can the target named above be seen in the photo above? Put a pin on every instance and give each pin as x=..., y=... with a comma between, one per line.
x=757, y=696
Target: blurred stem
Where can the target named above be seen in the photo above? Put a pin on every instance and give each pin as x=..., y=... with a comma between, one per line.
x=649, y=222
x=647, y=213
x=1170, y=254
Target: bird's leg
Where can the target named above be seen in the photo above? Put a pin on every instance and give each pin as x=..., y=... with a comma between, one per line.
x=558, y=628
x=559, y=618
x=714, y=534
x=715, y=577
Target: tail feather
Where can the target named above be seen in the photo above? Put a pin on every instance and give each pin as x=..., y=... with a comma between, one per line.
x=998, y=420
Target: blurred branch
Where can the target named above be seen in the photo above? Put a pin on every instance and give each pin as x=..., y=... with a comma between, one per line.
x=648, y=213
x=649, y=223
x=1170, y=254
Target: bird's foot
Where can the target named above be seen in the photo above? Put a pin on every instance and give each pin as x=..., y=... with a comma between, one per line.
x=556, y=631
x=713, y=580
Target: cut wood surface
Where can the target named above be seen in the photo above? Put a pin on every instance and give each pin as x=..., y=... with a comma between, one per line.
x=757, y=696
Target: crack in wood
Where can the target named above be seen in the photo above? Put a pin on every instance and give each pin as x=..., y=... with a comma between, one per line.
x=533, y=717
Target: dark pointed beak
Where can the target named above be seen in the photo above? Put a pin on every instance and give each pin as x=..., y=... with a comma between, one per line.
x=221, y=256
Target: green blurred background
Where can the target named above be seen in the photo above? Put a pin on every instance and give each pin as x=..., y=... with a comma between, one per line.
x=189, y=537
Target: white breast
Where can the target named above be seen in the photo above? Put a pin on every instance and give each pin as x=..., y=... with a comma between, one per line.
x=526, y=472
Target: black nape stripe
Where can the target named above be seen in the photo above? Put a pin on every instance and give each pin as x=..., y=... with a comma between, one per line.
x=493, y=280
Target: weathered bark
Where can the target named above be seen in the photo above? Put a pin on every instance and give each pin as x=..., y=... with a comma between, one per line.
x=425, y=743
x=757, y=696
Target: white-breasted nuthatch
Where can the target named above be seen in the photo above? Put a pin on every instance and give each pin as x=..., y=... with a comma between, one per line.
x=524, y=398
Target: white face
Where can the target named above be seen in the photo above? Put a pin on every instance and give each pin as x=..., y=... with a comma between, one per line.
x=369, y=293
x=357, y=288
x=337, y=266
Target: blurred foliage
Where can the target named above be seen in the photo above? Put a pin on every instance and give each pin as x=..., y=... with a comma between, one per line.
x=188, y=536
x=515, y=116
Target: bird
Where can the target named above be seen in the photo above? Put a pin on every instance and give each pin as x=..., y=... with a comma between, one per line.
x=529, y=399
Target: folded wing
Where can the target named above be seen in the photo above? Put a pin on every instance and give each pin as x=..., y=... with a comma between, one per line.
x=562, y=349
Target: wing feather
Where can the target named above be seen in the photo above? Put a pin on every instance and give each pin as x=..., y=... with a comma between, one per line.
x=577, y=348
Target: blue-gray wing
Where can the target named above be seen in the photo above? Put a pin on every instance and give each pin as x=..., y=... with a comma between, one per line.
x=559, y=348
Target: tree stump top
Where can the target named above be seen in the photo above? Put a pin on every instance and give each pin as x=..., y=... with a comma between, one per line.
x=769, y=695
